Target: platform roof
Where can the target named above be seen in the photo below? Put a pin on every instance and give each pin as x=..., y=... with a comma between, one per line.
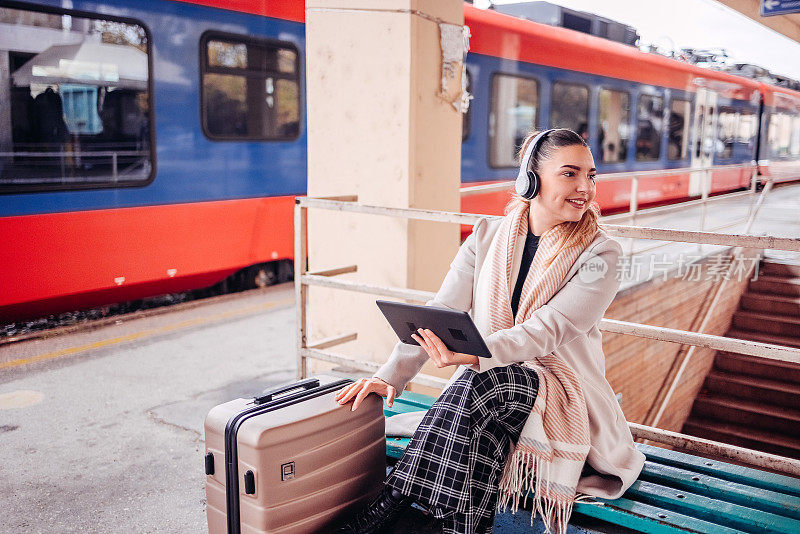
x=788, y=25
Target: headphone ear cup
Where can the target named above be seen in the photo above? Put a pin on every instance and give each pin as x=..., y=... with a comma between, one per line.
x=533, y=185
x=523, y=185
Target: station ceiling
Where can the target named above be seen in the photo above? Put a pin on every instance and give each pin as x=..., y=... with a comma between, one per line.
x=788, y=25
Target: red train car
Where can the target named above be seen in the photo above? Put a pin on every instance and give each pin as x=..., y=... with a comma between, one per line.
x=175, y=164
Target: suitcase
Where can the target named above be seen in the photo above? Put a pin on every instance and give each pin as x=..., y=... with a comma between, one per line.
x=292, y=460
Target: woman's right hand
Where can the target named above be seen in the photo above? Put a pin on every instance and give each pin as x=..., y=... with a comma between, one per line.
x=363, y=387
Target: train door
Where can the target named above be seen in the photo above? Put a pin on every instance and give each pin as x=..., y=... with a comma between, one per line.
x=704, y=128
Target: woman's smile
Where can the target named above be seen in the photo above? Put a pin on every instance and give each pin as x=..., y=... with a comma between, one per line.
x=576, y=203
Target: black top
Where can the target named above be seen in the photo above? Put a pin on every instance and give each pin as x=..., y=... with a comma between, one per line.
x=531, y=244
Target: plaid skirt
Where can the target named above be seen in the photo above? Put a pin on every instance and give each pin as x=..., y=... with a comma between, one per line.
x=455, y=459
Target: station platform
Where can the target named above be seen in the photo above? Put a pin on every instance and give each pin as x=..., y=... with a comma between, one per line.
x=108, y=436
x=779, y=216
x=103, y=430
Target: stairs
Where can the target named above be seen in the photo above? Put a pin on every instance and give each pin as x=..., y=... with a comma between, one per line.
x=750, y=401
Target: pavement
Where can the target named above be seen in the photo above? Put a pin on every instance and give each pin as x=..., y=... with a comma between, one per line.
x=109, y=438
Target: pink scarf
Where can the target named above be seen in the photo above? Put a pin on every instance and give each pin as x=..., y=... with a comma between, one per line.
x=549, y=456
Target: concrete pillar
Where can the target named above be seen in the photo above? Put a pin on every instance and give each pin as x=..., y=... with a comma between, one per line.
x=378, y=129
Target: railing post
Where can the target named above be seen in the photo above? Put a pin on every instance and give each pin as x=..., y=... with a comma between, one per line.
x=753, y=178
x=300, y=289
x=634, y=205
x=703, y=200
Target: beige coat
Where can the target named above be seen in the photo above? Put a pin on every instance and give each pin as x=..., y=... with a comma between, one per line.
x=566, y=325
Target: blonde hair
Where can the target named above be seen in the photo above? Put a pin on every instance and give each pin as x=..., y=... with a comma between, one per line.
x=588, y=225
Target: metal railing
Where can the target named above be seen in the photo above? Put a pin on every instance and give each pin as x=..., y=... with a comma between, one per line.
x=705, y=174
x=634, y=175
x=327, y=278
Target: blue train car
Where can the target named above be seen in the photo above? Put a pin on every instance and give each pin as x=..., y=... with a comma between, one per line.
x=157, y=146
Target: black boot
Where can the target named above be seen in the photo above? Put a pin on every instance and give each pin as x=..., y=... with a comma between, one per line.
x=379, y=515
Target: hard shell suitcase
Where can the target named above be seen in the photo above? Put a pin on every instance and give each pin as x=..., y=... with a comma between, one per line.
x=292, y=460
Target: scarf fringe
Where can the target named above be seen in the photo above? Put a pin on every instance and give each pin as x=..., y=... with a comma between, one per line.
x=526, y=472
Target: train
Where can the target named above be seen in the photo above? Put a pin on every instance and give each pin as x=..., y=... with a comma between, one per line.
x=157, y=146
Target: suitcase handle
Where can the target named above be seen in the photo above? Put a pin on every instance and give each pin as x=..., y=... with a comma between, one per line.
x=268, y=395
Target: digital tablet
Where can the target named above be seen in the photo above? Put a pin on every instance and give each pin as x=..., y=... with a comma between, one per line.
x=454, y=328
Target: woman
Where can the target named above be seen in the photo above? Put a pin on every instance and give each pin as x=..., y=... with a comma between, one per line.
x=538, y=415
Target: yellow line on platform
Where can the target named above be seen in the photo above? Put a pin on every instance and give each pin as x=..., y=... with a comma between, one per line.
x=144, y=333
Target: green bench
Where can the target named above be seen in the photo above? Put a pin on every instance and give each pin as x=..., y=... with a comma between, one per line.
x=676, y=492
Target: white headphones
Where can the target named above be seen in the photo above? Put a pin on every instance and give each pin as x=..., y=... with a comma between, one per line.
x=528, y=182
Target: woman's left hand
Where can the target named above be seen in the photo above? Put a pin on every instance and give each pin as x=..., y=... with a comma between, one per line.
x=438, y=352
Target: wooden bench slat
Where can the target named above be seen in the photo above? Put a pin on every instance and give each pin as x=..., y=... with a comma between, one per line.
x=705, y=508
x=396, y=446
x=726, y=497
x=647, y=518
x=718, y=488
x=409, y=402
x=734, y=473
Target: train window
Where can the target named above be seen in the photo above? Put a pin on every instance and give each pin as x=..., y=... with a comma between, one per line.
x=77, y=91
x=250, y=89
x=780, y=134
x=614, y=128
x=679, y=122
x=650, y=123
x=794, y=141
x=466, y=118
x=746, y=131
x=569, y=108
x=515, y=102
x=727, y=126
